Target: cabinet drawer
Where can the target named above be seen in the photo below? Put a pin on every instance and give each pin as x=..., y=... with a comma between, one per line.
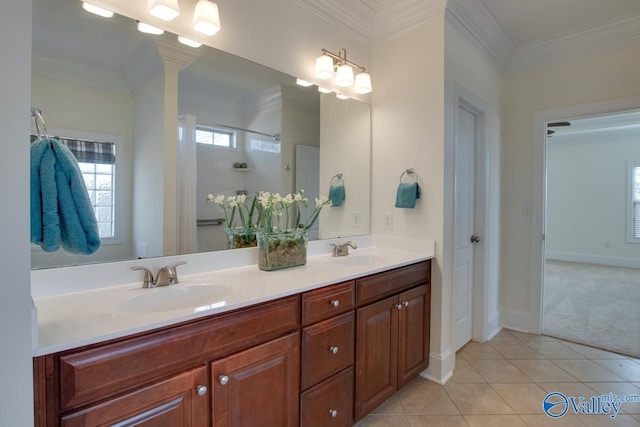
x=330, y=403
x=380, y=285
x=138, y=360
x=327, y=347
x=323, y=303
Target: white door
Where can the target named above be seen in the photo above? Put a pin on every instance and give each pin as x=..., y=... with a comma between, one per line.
x=308, y=179
x=463, y=232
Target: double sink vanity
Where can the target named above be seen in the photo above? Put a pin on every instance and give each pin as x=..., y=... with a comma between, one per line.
x=319, y=345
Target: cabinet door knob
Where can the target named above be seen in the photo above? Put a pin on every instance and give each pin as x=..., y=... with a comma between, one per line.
x=201, y=390
x=335, y=303
x=406, y=303
x=333, y=413
x=333, y=349
x=223, y=379
x=399, y=306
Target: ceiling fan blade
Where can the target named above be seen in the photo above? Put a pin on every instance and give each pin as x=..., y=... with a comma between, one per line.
x=558, y=124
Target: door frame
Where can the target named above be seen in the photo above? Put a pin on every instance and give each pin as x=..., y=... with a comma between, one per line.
x=539, y=195
x=485, y=324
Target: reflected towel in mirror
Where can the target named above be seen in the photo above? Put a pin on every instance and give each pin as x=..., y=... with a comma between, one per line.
x=337, y=195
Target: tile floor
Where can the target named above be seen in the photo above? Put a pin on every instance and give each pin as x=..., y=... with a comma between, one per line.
x=501, y=383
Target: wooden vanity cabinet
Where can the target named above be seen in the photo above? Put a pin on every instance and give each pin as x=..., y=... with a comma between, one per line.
x=327, y=356
x=393, y=334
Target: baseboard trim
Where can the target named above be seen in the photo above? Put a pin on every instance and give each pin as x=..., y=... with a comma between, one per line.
x=440, y=368
x=517, y=320
x=593, y=259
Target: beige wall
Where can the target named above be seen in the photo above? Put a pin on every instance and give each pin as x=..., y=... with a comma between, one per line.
x=575, y=81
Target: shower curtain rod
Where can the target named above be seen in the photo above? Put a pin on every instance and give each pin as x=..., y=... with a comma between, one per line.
x=275, y=137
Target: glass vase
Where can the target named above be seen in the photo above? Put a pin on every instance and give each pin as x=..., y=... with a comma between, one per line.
x=241, y=238
x=282, y=249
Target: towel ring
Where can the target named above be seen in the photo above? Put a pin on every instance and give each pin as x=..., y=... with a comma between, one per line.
x=410, y=171
x=39, y=121
x=337, y=176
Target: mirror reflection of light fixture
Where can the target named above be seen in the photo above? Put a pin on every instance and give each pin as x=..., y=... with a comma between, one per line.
x=329, y=64
x=303, y=83
x=164, y=9
x=149, y=29
x=324, y=90
x=341, y=96
x=206, y=18
x=97, y=10
x=189, y=42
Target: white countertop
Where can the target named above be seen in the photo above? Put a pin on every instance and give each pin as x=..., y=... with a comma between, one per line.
x=75, y=319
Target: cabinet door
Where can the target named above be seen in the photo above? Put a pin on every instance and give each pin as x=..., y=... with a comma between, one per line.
x=177, y=401
x=413, y=334
x=258, y=387
x=376, y=357
x=330, y=403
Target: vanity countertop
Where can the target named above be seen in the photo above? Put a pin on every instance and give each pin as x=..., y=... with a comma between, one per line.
x=75, y=319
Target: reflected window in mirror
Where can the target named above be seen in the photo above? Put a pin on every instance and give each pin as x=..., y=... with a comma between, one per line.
x=215, y=137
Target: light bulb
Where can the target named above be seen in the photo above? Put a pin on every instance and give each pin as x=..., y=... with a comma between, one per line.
x=149, y=29
x=324, y=67
x=363, y=83
x=164, y=9
x=189, y=42
x=96, y=10
x=206, y=18
x=344, y=76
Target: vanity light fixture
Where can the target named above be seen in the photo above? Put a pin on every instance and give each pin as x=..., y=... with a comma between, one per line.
x=303, y=83
x=97, y=10
x=164, y=9
x=206, y=18
x=149, y=29
x=341, y=96
x=324, y=90
x=189, y=42
x=329, y=64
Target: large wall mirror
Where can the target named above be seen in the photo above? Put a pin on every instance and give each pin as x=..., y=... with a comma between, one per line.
x=102, y=80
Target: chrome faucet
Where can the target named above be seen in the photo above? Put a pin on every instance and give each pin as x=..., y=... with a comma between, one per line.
x=167, y=275
x=342, y=250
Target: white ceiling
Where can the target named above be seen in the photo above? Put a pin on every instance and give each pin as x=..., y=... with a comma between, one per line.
x=516, y=33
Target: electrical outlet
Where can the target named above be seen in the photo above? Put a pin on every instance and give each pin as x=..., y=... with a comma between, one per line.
x=356, y=220
x=388, y=221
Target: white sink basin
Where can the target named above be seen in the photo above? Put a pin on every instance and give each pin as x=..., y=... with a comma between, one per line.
x=173, y=297
x=360, y=259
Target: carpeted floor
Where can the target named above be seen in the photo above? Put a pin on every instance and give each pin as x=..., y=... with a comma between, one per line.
x=594, y=305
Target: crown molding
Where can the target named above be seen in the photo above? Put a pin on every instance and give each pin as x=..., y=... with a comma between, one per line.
x=78, y=74
x=354, y=17
x=593, y=41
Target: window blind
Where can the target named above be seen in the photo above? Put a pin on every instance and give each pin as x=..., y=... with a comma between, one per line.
x=88, y=151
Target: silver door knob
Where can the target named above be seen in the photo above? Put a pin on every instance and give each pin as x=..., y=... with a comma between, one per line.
x=201, y=390
x=475, y=239
x=333, y=413
x=406, y=303
x=335, y=303
x=399, y=306
x=223, y=379
x=333, y=349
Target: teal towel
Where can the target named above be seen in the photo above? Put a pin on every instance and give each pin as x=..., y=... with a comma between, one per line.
x=336, y=195
x=61, y=211
x=407, y=195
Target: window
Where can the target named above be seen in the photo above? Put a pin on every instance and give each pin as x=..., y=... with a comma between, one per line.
x=634, y=222
x=99, y=179
x=266, y=146
x=215, y=137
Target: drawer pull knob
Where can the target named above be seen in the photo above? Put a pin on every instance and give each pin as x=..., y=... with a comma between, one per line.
x=335, y=303
x=333, y=413
x=399, y=306
x=406, y=303
x=223, y=379
x=333, y=349
x=201, y=390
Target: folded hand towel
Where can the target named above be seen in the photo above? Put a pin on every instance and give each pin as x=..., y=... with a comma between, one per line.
x=61, y=211
x=336, y=195
x=407, y=195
